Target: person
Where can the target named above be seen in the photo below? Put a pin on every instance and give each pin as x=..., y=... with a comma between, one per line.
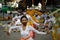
x=45, y=14
x=39, y=6
x=52, y=19
x=48, y=24
x=25, y=29
x=13, y=4
x=15, y=21
x=17, y=17
x=37, y=16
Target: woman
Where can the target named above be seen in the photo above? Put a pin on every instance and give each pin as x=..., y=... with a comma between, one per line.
x=25, y=29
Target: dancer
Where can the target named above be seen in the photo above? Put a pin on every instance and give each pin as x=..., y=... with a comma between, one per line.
x=25, y=29
x=31, y=21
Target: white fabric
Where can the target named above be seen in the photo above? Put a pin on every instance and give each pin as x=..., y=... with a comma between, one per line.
x=0, y=5
x=14, y=18
x=52, y=19
x=18, y=21
x=12, y=4
x=25, y=33
x=39, y=6
x=49, y=23
x=38, y=17
x=44, y=16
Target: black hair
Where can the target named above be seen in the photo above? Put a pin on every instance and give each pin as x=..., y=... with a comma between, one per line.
x=23, y=17
x=48, y=17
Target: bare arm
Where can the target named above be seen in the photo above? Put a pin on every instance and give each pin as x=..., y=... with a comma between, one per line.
x=37, y=31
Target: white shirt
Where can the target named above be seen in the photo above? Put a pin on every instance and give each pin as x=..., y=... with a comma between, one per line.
x=38, y=17
x=25, y=33
x=44, y=16
x=52, y=19
x=39, y=6
x=18, y=19
x=14, y=18
x=18, y=22
x=49, y=23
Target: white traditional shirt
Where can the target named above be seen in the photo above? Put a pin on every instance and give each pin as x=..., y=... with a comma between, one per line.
x=25, y=33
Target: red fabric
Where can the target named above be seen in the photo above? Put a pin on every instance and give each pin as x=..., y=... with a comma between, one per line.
x=32, y=34
x=35, y=26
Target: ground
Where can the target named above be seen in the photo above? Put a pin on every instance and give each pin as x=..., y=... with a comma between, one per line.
x=16, y=36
